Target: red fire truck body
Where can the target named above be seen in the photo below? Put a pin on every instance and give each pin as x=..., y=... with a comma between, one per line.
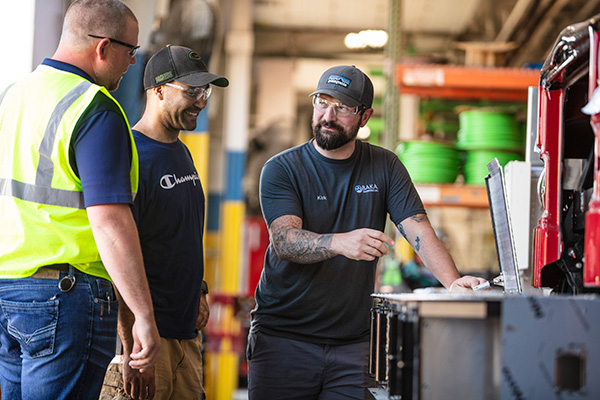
x=567, y=238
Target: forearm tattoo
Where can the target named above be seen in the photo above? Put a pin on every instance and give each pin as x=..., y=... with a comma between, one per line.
x=418, y=218
x=293, y=243
x=402, y=232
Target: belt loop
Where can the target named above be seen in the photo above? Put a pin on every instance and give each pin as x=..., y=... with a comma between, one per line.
x=71, y=273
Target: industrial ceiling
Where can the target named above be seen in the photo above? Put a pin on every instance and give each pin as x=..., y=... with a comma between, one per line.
x=432, y=30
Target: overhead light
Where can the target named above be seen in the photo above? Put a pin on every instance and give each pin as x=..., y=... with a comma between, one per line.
x=363, y=39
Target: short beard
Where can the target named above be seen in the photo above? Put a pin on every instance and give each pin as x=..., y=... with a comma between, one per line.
x=336, y=140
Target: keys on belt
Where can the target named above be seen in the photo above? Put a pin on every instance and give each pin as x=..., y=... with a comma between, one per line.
x=66, y=283
x=53, y=272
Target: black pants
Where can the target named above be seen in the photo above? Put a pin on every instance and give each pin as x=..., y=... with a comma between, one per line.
x=280, y=368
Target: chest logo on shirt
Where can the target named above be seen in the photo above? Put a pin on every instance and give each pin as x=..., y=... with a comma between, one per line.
x=366, y=188
x=169, y=181
x=321, y=197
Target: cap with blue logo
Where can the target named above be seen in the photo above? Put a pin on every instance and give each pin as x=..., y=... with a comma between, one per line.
x=348, y=84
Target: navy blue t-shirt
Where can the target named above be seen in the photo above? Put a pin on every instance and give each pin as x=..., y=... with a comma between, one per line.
x=100, y=150
x=327, y=302
x=169, y=211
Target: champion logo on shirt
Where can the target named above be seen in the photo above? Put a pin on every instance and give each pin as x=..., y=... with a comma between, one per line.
x=169, y=181
x=366, y=188
x=321, y=197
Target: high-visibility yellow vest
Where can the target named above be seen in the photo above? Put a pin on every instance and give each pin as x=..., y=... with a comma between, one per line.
x=43, y=220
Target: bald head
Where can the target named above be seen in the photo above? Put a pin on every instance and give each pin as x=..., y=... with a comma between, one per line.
x=106, y=18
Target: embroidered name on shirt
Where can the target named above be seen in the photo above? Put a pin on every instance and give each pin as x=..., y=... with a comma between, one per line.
x=169, y=181
x=321, y=197
x=366, y=188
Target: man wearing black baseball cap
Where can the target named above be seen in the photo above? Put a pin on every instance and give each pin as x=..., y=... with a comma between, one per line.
x=325, y=203
x=348, y=84
x=181, y=64
x=169, y=212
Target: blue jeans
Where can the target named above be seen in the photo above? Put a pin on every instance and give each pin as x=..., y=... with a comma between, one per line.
x=54, y=344
x=287, y=369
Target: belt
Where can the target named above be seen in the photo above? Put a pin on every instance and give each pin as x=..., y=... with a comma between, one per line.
x=53, y=272
x=50, y=271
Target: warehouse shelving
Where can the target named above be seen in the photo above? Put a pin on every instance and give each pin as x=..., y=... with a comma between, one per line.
x=463, y=83
x=453, y=195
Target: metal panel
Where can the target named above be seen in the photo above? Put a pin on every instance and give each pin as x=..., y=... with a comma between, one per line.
x=550, y=348
x=502, y=228
x=522, y=347
x=459, y=358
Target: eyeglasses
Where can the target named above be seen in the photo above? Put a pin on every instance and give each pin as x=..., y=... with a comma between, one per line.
x=132, y=52
x=196, y=93
x=339, y=109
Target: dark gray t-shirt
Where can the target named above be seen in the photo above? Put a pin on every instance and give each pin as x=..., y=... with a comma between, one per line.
x=327, y=302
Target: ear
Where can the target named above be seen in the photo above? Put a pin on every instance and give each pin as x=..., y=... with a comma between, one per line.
x=101, y=48
x=158, y=92
x=365, y=117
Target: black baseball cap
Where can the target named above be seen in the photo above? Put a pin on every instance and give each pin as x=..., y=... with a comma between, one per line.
x=182, y=64
x=348, y=84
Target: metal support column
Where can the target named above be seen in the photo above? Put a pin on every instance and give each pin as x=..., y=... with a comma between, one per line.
x=223, y=364
x=392, y=98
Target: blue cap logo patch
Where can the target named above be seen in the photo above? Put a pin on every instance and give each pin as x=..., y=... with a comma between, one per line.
x=339, y=80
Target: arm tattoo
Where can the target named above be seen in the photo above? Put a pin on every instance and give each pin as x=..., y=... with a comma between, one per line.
x=295, y=244
x=401, y=229
x=419, y=218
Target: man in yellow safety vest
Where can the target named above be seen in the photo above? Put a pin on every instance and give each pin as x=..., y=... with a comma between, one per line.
x=68, y=175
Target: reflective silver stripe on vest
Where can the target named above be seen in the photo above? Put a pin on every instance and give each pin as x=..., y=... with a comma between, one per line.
x=45, y=168
x=41, y=192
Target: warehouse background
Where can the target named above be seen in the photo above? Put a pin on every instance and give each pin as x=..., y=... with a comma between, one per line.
x=273, y=52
